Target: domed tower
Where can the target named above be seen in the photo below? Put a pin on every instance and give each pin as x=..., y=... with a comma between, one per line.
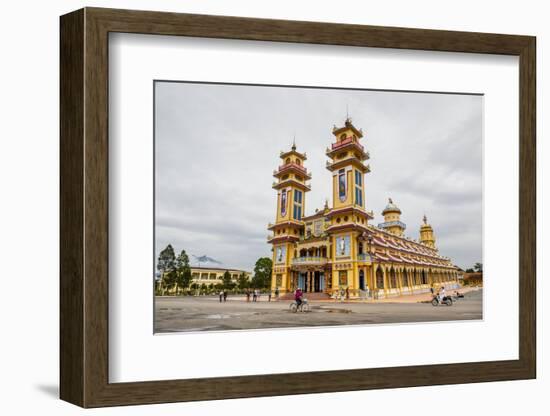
x=427, y=233
x=392, y=219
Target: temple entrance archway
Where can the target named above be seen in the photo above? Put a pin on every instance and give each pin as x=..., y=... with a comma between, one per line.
x=362, y=285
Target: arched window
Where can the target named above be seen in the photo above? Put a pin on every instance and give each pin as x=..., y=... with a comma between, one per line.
x=393, y=278
x=287, y=161
x=379, y=278
x=298, y=162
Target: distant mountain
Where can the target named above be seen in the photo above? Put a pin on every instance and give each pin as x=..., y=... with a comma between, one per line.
x=206, y=259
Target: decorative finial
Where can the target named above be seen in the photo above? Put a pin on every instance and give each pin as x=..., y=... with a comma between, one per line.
x=326, y=203
x=390, y=201
x=425, y=219
x=348, y=118
x=294, y=143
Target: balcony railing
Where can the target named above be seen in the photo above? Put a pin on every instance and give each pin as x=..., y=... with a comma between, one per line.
x=345, y=142
x=309, y=260
x=392, y=224
x=292, y=165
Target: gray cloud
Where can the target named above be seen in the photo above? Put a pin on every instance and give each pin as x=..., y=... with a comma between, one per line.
x=217, y=145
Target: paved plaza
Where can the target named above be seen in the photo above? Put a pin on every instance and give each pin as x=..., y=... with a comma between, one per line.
x=206, y=313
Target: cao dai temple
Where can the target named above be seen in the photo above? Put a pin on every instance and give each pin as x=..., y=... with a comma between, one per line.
x=336, y=248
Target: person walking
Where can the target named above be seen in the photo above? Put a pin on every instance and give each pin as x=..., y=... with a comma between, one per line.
x=277, y=293
x=247, y=293
x=224, y=295
x=221, y=295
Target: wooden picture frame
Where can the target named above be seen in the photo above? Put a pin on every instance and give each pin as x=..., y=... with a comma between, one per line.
x=84, y=207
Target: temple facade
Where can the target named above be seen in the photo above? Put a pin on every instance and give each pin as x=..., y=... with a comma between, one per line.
x=336, y=247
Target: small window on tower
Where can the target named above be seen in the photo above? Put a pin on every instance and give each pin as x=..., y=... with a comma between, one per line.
x=358, y=188
x=297, y=205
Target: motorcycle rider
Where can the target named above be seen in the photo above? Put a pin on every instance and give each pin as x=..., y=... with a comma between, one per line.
x=441, y=294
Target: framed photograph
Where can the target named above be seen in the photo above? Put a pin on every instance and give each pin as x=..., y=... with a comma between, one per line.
x=255, y=207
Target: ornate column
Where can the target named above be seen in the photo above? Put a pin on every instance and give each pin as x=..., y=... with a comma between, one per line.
x=386, y=281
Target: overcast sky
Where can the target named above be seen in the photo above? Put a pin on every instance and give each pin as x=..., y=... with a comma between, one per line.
x=217, y=147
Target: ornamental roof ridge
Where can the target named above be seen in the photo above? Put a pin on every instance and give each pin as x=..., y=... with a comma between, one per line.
x=283, y=153
x=426, y=251
x=348, y=125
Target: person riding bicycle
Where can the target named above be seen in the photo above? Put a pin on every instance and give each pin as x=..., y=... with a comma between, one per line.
x=298, y=295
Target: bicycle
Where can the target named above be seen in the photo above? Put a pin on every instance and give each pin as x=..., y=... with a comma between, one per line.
x=304, y=306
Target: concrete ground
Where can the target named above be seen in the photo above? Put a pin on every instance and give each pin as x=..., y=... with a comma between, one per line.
x=187, y=314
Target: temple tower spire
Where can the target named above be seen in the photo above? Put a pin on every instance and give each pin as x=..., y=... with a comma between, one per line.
x=347, y=164
x=348, y=217
x=427, y=236
x=291, y=187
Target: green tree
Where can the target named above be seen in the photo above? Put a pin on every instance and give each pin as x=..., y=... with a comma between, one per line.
x=470, y=270
x=242, y=281
x=166, y=266
x=183, y=271
x=478, y=267
x=262, y=273
x=227, y=283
